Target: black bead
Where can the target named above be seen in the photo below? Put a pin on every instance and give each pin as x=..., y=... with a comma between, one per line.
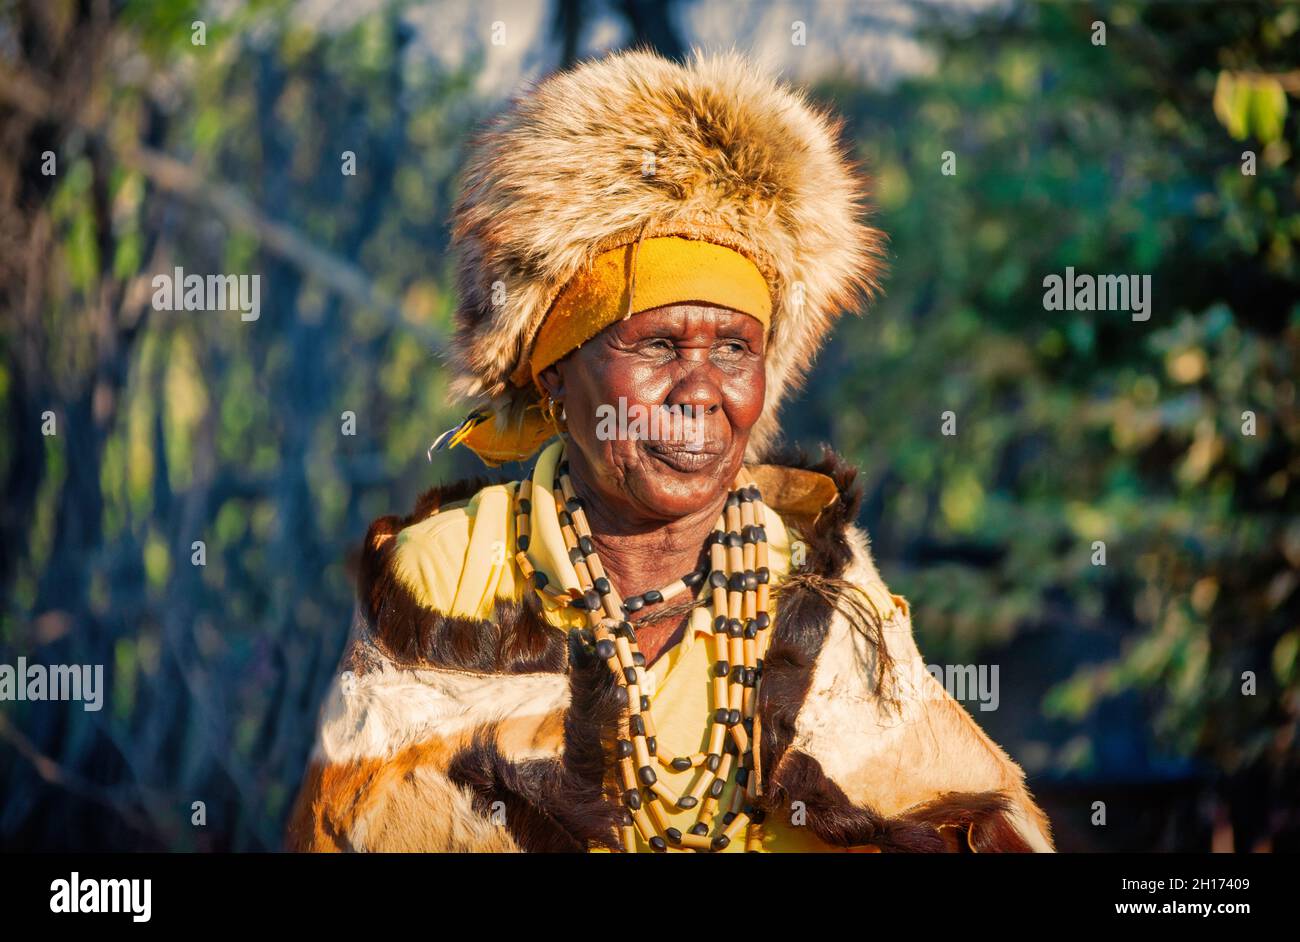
x=733, y=500
x=736, y=583
x=747, y=534
x=525, y=506
x=632, y=798
x=601, y=585
x=579, y=603
x=573, y=504
x=712, y=762
x=575, y=556
x=652, y=744
x=721, y=668
x=720, y=623
x=728, y=818
x=763, y=620
x=744, y=496
x=539, y=579
x=733, y=718
x=755, y=493
x=593, y=600
x=634, y=603
x=734, y=628
x=715, y=789
x=717, y=579
x=636, y=725
x=687, y=801
x=629, y=674
x=762, y=575
x=734, y=540
x=645, y=703
x=700, y=828
x=659, y=844
x=694, y=579
x=625, y=631
x=758, y=816
x=563, y=469
x=720, y=842
x=742, y=778
x=720, y=715
x=751, y=580
x=605, y=649
x=565, y=519
x=751, y=629
x=623, y=749
x=673, y=835
x=638, y=659
x=762, y=534
x=588, y=548
x=522, y=542
x=749, y=677
x=681, y=764
x=653, y=596
x=647, y=776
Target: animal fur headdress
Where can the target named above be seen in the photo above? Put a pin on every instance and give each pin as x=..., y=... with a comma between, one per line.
x=635, y=147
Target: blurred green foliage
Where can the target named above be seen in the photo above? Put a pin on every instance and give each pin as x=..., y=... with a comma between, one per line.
x=1075, y=427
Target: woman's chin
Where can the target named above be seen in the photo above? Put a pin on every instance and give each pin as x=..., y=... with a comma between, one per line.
x=675, y=486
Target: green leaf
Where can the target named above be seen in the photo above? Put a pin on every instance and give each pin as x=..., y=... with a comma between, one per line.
x=1250, y=104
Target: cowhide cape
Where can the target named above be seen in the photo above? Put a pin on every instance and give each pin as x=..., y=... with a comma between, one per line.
x=451, y=734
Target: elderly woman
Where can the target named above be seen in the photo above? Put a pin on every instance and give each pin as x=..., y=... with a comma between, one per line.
x=656, y=640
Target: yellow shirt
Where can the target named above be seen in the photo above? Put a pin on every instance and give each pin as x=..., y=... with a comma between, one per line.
x=461, y=561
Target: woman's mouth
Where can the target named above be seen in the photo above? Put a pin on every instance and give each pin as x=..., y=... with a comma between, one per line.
x=684, y=457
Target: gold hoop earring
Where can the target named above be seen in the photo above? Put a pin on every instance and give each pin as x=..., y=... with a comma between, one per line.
x=548, y=412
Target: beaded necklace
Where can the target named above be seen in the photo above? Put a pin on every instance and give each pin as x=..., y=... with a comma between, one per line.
x=737, y=573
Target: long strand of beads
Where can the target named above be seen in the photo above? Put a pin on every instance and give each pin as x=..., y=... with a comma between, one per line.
x=739, y=580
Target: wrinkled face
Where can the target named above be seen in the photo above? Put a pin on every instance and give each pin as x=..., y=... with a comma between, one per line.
x=692, y=385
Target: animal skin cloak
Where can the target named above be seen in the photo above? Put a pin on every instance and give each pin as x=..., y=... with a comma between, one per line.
x=445, y=733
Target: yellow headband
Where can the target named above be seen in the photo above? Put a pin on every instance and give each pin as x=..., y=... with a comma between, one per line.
x=619, y=283
x=668, y=270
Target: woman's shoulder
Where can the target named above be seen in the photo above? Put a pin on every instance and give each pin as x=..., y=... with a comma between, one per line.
x=456, y=530
x=817, y=500
x=817, y=497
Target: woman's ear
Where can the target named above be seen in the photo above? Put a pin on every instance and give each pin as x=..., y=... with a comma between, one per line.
x=552, y=382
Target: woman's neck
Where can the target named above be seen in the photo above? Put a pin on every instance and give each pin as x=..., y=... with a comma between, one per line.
x=640, y=555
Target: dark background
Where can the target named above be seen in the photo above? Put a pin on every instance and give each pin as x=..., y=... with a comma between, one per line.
x=1120, y=684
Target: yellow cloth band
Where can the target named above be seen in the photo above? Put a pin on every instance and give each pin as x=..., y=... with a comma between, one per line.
x=655, y=272
x=669, y=270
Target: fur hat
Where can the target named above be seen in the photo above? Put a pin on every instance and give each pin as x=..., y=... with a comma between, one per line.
x=634, y=146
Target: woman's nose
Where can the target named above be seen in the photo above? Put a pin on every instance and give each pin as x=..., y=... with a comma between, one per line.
x=697, y=388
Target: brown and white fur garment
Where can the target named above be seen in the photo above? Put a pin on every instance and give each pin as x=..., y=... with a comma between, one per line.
x=451, y=734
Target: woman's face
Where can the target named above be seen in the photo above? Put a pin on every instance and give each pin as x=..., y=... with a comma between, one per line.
x=700, y=369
